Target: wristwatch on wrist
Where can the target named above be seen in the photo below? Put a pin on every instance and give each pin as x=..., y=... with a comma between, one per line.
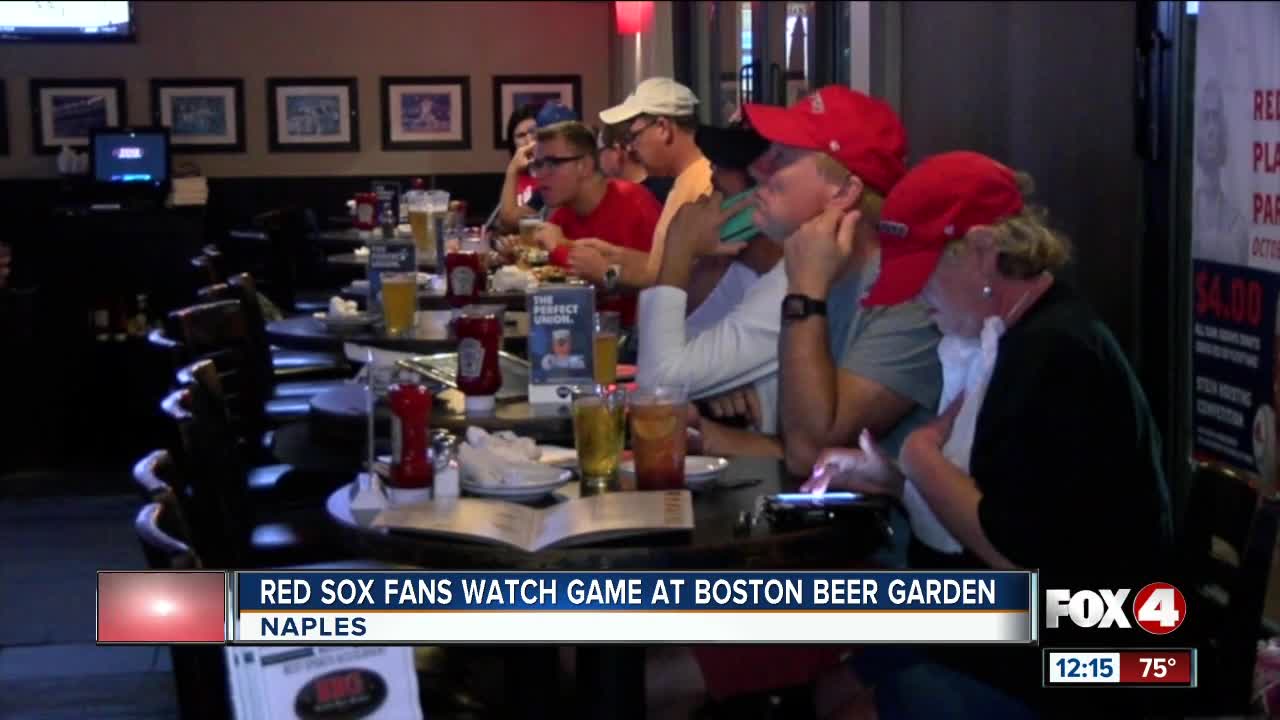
x=799, y=307
x=611, y=275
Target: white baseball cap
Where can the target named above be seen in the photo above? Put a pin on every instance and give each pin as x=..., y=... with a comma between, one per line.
x=655, y=96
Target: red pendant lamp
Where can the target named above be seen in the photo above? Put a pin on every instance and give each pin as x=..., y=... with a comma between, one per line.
x=633, y=16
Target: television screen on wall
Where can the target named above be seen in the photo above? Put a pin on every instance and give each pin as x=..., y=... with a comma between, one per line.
x=66, y=21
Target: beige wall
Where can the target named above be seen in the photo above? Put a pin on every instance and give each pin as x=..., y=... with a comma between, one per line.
x=256, y=40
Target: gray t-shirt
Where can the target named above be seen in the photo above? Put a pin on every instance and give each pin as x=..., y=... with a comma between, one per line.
x=895, y=346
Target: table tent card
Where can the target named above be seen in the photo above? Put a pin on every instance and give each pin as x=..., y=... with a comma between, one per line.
x=378, y=683
x=561, y=341
x=388, y=193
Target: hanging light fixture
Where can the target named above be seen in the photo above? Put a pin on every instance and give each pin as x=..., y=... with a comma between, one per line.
x=633, y=16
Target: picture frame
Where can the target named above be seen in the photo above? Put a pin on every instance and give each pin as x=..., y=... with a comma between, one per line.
x=4, y=118
x=204, y=115
x=64, y=111
x=313, y=114
x=512, y=91
x=426, y=112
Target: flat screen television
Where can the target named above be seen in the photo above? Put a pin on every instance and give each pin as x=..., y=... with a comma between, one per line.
x=90, y=21
x=130, y=157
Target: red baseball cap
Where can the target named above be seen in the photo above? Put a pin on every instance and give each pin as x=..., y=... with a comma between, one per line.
x=862, y=133
x=937, y=202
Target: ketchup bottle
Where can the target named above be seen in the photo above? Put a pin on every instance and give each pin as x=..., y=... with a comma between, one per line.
x=410, y=412
x=479, y=332
x=467, y=277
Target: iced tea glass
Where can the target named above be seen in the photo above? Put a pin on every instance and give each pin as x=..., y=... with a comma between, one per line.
x=659, y=416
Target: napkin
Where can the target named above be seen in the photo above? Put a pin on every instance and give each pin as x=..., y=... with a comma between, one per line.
x=503, y=460
x=339, y=307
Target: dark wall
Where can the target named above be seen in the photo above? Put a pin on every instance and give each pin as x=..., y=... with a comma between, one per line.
x=1046, y=87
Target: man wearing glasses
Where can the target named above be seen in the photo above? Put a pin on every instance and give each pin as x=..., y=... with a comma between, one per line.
x=614, y=213
x=660, y=121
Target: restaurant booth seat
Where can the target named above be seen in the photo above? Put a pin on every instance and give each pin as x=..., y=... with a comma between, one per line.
x=291, y=367
x=259, y=518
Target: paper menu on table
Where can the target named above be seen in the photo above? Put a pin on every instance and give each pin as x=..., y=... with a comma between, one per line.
x=369, y=682
x=529, y=529
x=614, y=515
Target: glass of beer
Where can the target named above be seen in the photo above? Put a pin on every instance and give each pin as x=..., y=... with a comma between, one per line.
x=528, y=227
x=419, y=220
x=608, y=326
x=599, y=429
x=399, y=301
x=659, y=416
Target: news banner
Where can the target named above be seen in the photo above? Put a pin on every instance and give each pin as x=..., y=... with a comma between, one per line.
x=300, y=608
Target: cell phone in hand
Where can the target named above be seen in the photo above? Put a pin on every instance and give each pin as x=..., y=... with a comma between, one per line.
x=798, y=510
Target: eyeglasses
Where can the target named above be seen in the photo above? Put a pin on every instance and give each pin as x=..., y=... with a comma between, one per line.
x=629, y=139
x=550, y=162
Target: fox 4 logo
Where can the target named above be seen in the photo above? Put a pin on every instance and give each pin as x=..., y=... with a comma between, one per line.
x=1158, y=608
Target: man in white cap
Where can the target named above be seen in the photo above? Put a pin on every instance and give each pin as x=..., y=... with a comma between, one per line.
x=660, y=123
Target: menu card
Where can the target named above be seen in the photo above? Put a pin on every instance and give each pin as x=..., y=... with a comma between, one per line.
x=384, y=257
x=307, y=682
x=388, y=193
x=561, y=341
x=590, y=519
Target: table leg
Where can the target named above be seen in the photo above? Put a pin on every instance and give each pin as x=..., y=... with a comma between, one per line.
x=532, y=682
x=610, y=682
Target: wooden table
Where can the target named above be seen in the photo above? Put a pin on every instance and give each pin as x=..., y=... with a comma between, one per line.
x=611, y=679
x=430, y=335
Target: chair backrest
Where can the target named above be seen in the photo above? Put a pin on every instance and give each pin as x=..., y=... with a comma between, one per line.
x=212, y=481
x=1229, y=539
x=223, y=332
x=200, y=673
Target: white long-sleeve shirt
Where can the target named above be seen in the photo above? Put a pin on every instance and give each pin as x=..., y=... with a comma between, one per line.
x=740, y=349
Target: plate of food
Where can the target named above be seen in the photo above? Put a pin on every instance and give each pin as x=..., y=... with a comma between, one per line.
x=699, y=470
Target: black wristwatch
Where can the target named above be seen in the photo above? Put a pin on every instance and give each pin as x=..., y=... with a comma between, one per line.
x=799, y=307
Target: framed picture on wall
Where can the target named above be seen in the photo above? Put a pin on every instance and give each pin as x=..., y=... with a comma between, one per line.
x=513, y=91
x=4, y=119
x=312, y=115
x=203, y=115
x=426, y=113
x=64, y=111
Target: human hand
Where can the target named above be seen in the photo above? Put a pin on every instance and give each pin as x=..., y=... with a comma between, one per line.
x=549, y=236
x=695, y=228
x=520, y=159
x=865, y=470
x=818, y=251
x=743, y=402
x=587, y=263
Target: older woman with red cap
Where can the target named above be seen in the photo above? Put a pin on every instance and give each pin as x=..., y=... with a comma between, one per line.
x=1042, y=422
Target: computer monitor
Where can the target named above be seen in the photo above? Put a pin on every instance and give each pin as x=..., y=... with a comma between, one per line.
x=130, y=157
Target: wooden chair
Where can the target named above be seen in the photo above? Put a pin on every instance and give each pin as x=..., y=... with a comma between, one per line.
x=1229, y=538
x=266, y=516
x=286, y=364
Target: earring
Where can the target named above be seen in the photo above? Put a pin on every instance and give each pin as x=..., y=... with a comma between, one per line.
x=987, y=292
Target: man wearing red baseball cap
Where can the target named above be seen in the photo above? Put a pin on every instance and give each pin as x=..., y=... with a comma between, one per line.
x=843, y=369
x=1063, y=422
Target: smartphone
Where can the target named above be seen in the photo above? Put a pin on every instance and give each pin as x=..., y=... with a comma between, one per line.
x=794, y=510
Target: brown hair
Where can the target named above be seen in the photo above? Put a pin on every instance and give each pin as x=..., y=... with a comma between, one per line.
x=575, y=134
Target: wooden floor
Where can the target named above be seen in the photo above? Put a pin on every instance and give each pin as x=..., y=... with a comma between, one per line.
x=50, y=547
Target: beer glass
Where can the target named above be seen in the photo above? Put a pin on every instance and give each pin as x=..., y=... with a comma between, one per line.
x=399, y=301
x=599, y=428
x=605, y=369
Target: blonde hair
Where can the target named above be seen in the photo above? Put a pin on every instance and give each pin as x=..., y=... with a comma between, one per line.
x=869, y=203
x=1026, y=244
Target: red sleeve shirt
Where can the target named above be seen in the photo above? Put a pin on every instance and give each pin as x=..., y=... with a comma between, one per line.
x=626, y=216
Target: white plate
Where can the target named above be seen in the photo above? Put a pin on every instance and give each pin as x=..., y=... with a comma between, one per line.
x=699, y=470
x=517, y=492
